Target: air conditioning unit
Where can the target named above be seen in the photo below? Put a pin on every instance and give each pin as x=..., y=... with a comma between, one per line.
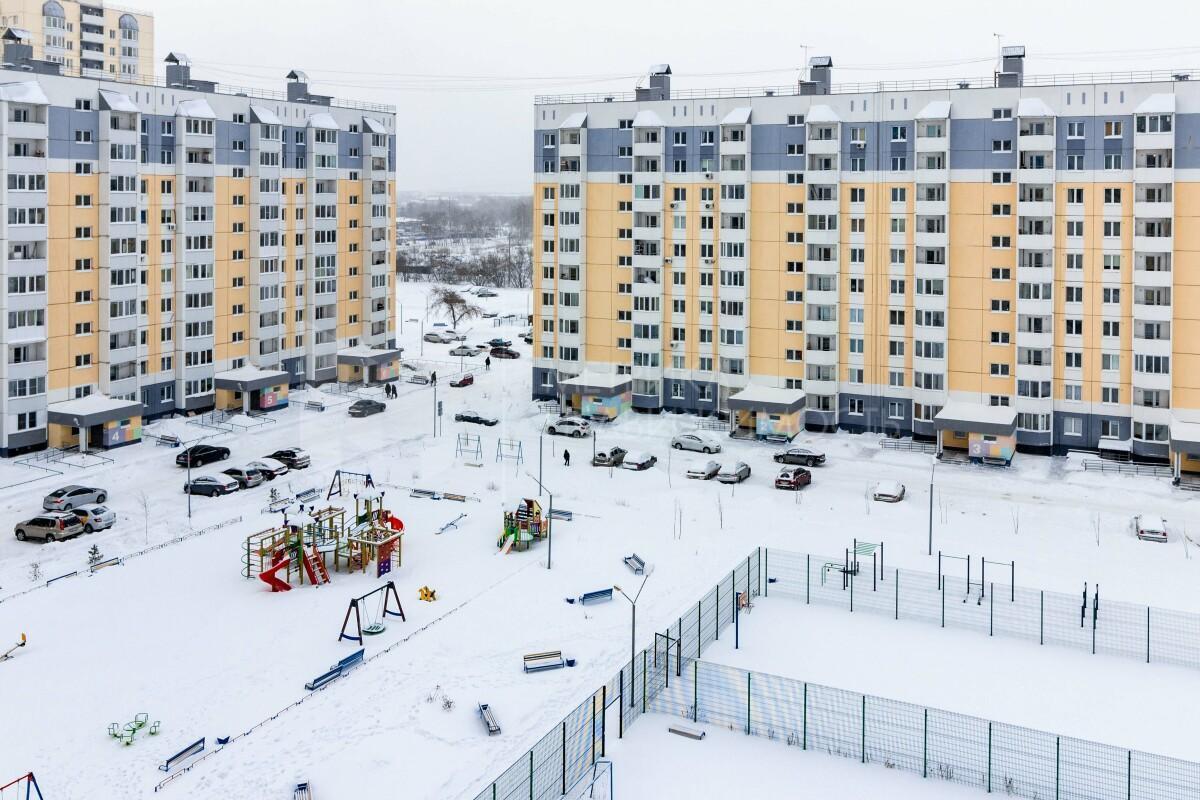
x=708, y=205
x=708, y=261
x=672, y=204
x=708, y=176
x=859, y=145
x=170, y=226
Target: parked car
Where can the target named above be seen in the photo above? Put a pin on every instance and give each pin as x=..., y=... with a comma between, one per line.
x=527, y=337
x=466, y=379
x=437, y=337
x=504, y=352
x=485, y=293
x=499, y=342
x=639, y=461
x=735, y=474
x=569, y=426
x=72, y=496
x=453, y=335
x=792, y=478
x=211, y=485
x=247, y=477
x=269, y=467
x=95, y=517
x=612, y=457
x=201, y=454
x=464, y=350
x=365, y=408
x=888, y=491
x=294, y=457
x=478, y=419
x=1150, y=528
x=49, y=527
x=705, y=472
x=696, y=442
x=800, y=455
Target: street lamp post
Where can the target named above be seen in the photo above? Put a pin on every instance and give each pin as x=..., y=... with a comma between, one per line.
x=932, y=470
x=633, y=601
x=549, y=519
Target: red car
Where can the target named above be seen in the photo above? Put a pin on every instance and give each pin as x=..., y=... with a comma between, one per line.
x=793, y=478
x=465, y=380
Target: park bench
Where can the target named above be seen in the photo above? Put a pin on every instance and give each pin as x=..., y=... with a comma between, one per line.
x=307, y=495
x=635, y=563
x=598, y=596
x=539, y=662
x=314, y=405
x=689, y=733
x=167, y=440
x=489, y=719
x=192, y=749
x=350, y=661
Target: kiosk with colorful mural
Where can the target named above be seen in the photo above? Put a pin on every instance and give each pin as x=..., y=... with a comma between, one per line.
x=597, y=394
x=988, y=434
x=767, y=412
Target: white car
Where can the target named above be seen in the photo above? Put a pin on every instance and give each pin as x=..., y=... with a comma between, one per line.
x=1149, y=528
x=269, y=467
x=888, y=491
x=696, y=442
x=95, y=517
x=639, y=461
x=569, y=426
x=706, y=471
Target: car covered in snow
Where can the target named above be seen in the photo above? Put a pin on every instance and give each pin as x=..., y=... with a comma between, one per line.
x=793, y=478
x=211, y=485
x=466, y=379
x=95, y=517
x=612, y=457
x=72, y=496
x=269, y=467
x=639, y=461
x=799, y=455
x=569, y=426
x=1149, y=528
x=734, y=474
x=696, y=442
x=888, y=491
x=485, y=292
x=705, y=471
x=476, y=418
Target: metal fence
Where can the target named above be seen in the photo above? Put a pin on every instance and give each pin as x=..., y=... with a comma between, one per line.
x=930, y=742
x=1085, y=621
x=569, y=751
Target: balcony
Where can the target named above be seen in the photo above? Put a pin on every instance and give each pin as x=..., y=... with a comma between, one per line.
x=822, y=237
x=1152, y=313
x=932, y=208
x=1044, y=175
x=1037, y=142
x=1154, y=141
x=818, y=327
x=647, y=149
x=1035, y=241
x=1151, y=347
x=930, y=175
x=1153, y=244
x=932, y=144
x=1033, y=405
x=826, y=207
x=1152, y=278
x=1035, y=372
x=639, y=233
x=814, y=386
x=1035, y=208
x=928, y=239
x=1038, y=341
x=28, y=130
x=570, y=150
x=732, y=148
x=816, y=147
x=1151, y=380
x=1163, y=210
x=1154, y=174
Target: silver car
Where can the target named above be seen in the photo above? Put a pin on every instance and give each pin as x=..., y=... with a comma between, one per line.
x=73, y=496
x=706, y=471
x=695, y=442
x=49, y=527
x=96, y=517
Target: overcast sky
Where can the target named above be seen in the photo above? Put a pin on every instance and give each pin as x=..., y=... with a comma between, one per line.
x=463, y=73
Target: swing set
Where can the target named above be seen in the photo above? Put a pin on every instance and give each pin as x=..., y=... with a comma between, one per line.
x=376, y=613
x=25, y=786
x=344, y=481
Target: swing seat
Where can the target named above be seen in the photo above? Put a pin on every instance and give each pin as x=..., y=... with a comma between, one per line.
x=374, y=628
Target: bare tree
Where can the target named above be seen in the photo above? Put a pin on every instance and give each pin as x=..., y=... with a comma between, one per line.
x=454, y=304
x=144, y=504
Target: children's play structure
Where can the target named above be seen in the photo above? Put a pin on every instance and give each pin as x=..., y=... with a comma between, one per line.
x=7, y=654
x=125, y=733
x=377, y=604
x=304, y=545
x=427, y=594
x=25, y=788
x=522, y=526
x=346, y=481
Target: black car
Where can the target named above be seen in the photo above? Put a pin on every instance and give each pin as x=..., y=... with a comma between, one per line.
x=499, y=342
x=478, y=419
x=201, y=454
x=365, y=408
x=294, y=457
x=504, y=352
x=799, y=455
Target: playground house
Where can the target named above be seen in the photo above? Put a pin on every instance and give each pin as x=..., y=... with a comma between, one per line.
x=765, y=412
x=988, y=434
x=95, y=421
x=597, y=394
x=251, y=389
x=368, y=365
x=522, y=526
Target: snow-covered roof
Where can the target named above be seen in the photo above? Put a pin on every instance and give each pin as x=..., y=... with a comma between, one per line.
x=767, y=398
x=595, y=382
x=821, y=113
x=1114, y=444
x=1033, y=107
x=647, y=119
x=363, y=356
x=738, y=116
x=1157, y=104
x=323, y=120
x=959, y=415
x=198, y=109
x=115, y=101
x=373, y=125
x=249, y=378
x=91, y=410
x=938, y=109
x=24, y=92
x=1151, y=522
x=264, y=115
x=576, y=120
x=1185, y=436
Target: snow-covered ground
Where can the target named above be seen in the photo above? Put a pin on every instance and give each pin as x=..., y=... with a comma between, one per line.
x=180, y=635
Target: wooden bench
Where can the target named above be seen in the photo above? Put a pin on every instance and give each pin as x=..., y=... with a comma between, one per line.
x=314, y=405
x=598, y=596
x=489, y=719
x=635, y=563
x=167, y=440
x=689, y=733
x=539, y=662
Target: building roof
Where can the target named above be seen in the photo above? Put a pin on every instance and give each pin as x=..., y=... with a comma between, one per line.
x=576, y=120
x=115, y=101
x=323, y=120
x=1185, y=436
x=373, y=125
x=297, y=75
x=821, y=113
x=363, y=356
x=595, y=382
x=767, y=398
x=264, y=115
x=738, y=116
x=938, y=109
x=24, y=92
x=249, y=378
x=647, y=119
x=176, y=57
x=958, y=415
x=95, y=409
x=1033, y=107
x=197, y=109
x=1157, y=104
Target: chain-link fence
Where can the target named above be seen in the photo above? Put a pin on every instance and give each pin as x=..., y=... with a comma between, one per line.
x=570, y=750
x=1086, y=621
x=929, y=742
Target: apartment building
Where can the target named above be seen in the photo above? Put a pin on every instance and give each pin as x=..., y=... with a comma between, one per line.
x=172, y=246
x=1001, y=262
x=88, y=39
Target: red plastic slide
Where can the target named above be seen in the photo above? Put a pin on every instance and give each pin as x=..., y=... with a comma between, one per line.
x=270, y=579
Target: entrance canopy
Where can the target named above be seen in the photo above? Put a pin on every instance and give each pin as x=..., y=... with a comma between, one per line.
x=249, y=379
x=601, y=383
x=1185, y=437
x=767, y=399
x=976, y=418
x=363, y=356
x=95, y=409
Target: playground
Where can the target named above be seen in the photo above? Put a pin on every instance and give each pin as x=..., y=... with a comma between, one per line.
x=405, y=613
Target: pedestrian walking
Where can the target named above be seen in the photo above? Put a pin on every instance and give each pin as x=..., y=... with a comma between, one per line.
x=433, y=378
x=566, y=457
x=487, y=363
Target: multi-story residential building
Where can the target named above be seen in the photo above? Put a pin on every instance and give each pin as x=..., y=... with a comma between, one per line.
x=88, y=39
x=1000, y=262
x=172, y=246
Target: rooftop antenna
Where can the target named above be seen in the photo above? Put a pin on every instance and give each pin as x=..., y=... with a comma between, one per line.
x=999, y=51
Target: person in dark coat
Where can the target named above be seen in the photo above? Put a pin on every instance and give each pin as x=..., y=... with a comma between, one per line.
x=487, y=363
x=566, y=457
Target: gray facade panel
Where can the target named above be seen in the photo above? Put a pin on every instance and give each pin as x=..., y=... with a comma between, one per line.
x=542, y=154
x=545, y=383
x=295, y=368
x=874, y=416
x=152, y=403
x=690, y=401
x=24, y=439
x=1187, y=141
x=647, y=401
x=971, y=144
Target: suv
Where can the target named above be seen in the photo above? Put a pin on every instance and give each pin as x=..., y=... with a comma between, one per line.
x=800, y=455
x=247, y=477
x=49, y=527
x=569, y=426
x=294, y=457
x=72, y=496
x=202, y=454
x=792, y=478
